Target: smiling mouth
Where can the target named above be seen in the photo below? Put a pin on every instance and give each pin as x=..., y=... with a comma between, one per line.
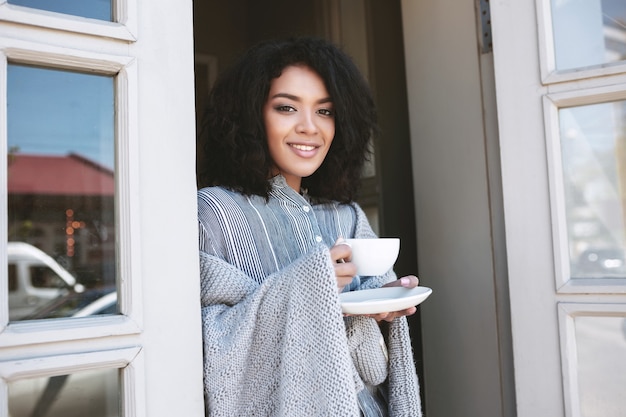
x=303, y=147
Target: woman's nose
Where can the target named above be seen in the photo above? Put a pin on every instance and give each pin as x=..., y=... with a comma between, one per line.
x=306, y=124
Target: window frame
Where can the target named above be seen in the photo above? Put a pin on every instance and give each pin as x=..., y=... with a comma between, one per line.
x=124, y=70
x=552, y=103
x=123, y=28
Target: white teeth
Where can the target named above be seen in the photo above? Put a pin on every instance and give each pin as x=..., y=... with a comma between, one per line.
x=303, y=147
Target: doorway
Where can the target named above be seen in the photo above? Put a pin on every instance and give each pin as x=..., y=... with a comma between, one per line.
x=371, y=32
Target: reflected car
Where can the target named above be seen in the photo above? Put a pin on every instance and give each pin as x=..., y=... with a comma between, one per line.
x=93, y=393
x=89, y=303
x=601, y=263
x=34, y=279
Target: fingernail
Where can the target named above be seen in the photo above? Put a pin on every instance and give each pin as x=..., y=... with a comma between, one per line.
x=405, y=281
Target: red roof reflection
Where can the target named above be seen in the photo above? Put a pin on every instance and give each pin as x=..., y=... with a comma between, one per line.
x=58, y=175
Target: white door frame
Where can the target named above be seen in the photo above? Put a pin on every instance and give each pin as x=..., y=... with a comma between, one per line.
x=156, y=339
x=543, y=303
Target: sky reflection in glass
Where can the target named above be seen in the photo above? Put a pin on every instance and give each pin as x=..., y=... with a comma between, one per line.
x=94, y=9
x=55, y=112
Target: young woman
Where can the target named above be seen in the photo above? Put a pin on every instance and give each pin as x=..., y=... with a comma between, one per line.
x=285, y=138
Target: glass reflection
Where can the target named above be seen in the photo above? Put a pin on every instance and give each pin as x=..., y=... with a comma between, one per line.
x=601, y=349
x=95, y=9
x=588, y=33
x=61, y=189
x=94, y=393
x=593, y=146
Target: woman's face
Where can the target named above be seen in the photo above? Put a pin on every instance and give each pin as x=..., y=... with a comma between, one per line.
x=300, y=123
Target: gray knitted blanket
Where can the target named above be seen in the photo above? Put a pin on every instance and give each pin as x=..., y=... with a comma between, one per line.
x=283, y=348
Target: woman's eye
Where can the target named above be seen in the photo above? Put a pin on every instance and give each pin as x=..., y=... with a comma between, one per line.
x=285, y=109
x=325, y=112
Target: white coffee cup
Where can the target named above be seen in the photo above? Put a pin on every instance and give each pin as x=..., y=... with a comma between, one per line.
x=374, y=256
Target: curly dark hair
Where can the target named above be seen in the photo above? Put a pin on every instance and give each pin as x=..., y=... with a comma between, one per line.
x=233, y=135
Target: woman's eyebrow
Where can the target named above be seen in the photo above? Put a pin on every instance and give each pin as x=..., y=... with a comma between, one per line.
x=296, y=98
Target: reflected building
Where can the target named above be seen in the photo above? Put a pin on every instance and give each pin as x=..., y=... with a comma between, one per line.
x=64, y=205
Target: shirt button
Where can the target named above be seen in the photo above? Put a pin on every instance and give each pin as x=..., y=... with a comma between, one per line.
x=306, y=208
x=318, y=239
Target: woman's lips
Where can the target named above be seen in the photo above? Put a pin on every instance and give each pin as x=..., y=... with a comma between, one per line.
x=304, y=151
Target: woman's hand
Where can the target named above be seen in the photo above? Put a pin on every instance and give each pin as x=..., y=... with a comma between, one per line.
x=410, y=281
x=340, y=254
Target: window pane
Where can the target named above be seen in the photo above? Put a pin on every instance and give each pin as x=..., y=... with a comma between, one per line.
x=601, y=349
x=593, y=145
x=94, y=393
x=61, y=188
x=95, y=9
x=590, y=32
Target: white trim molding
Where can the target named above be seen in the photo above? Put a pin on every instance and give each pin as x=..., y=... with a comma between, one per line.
x=123, y=28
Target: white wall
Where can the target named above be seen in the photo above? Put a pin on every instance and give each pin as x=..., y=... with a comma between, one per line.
x=465, y=323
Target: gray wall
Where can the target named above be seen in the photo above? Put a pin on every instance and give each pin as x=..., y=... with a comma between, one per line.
x=465, y=323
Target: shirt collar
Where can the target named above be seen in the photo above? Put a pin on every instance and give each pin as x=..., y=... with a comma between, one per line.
x=280, y=186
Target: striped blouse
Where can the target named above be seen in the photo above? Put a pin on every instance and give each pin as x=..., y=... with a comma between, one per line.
x=260, y=236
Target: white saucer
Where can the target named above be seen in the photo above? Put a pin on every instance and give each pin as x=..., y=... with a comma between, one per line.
x=382, y=300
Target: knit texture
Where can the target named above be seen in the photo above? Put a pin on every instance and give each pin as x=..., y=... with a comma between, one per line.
x=364, y=339
x=280, y=348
